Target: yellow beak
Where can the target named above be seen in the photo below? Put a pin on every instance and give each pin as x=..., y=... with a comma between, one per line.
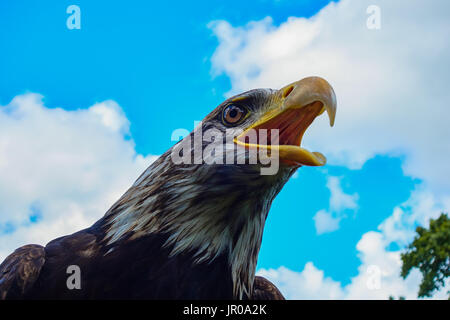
x=295, y=108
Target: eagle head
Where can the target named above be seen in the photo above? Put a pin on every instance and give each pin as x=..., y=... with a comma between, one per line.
x=209, y=195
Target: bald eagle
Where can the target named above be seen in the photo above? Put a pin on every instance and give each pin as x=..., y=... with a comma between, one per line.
x=189, y=229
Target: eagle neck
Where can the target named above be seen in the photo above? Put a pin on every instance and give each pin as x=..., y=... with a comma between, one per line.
x=204, y=210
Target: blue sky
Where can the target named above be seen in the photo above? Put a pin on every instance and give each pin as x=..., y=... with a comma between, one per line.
x=154, y=59
x=290, y=236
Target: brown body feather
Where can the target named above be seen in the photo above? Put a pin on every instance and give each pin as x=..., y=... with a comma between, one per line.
x=33, y=272
x=263, y=289
x=20, y=270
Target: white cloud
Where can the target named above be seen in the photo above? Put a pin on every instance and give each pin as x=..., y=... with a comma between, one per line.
x=417, y=210
x=378, y=277
x=111, y=116
x=324, y=222
x=340, y=200
x=69, y=165
x=306, y=285
x=328, y=221
x=379, y=272
x=391, y=84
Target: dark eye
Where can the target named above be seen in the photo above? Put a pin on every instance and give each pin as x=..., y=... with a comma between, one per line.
x=232, y=114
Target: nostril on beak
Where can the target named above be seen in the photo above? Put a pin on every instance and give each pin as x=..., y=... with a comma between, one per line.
x=287, y=91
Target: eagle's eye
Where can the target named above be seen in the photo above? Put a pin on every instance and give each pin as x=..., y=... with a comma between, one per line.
x=233, y=114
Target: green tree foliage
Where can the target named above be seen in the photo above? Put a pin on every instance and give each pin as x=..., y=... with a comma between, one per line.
x=430, y=252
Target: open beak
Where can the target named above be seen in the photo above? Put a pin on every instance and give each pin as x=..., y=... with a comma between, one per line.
x=296, y=107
